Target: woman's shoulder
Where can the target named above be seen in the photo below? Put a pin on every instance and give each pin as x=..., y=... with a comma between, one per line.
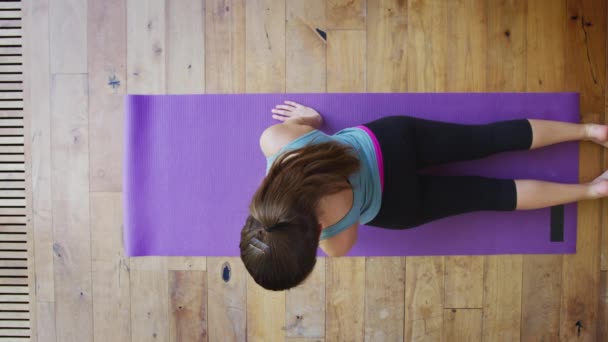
x=275, y=137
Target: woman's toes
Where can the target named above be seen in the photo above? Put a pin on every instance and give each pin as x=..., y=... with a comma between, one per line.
x=599, y=189
x=598, y=133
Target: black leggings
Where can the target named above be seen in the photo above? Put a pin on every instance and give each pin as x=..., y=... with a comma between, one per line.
x=409, y=144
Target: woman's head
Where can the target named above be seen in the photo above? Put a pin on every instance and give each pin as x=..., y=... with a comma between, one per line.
x=281, y=235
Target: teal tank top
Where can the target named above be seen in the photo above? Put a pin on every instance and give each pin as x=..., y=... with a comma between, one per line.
x=367, y=190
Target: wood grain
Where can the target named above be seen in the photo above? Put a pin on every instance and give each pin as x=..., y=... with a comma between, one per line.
x=305, y=305
x=146, y=46
x=149, y=299
x=466, y=53
x=464, y=282
x=426, y=71
x=602, y=334
x=506, y=71
x=188, y=306
x=37, y=60
x=70, y=184
x=107, y=51
x=265, y=46
x=265, y=313
x=227, y=297
x=111, y=287
x=462, y=325
x=585, y=71
x=506, y=46
x=345, y=299
x=185, y=47
x=346, y=61
x=225, y=46
x=346, y=14
x=542, y=274
x=465, y=71
x=501, y=313
x=305, y=63
x=384, y=298
x=146, y=67
x=67, y=36
x=387, y=46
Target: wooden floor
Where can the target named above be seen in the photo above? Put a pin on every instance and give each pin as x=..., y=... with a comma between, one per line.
x=83, y=56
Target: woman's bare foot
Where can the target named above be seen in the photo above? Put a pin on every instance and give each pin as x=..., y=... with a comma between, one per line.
x=598, y=188
x=597, y=133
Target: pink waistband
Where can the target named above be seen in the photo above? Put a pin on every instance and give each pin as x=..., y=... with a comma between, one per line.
x=378, y=154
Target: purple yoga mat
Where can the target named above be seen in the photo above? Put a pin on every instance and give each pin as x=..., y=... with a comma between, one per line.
x=193, y=162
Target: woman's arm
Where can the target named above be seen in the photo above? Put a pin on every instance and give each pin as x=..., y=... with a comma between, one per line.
x=276, y=136
x=297, y=121
x=292, y=112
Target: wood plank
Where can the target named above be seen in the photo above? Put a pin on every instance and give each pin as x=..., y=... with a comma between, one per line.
x=19, y=315
x=37, y=59
x=12, y=166
x=305, y=65
x=265, y=313
x=14, y=289
x=111, y=292
x=13, y=229
x=227, y=320
x=384, y=298
x=387, y=46
x=146, y=75
x=13, y=32
x=265, y=72
x=426, y=69
x=186, y=47
x=12, y=280
x=306, y=72
x=346, y=61
x=602, y=334
x=149, y=318
x=15, y=324
x=188, y=306
x=14, y=298
x=8, y=246
x=187, y=263
x=346, y=14
x=6, y=220
x=11, y=4
x=585, y=71
x=464, y=282
x=467, y=51
x=462, y=325
x=541, y=290
x=146, y=46
x=265, y=46
x=542, y=278
x=502, y=298
x=14, y=184
x=11, y=95
x=107, y=49
x=424, y=293
x=345, y=296
x=8, y=23
x=15, y=14
x=305, y=305
x=67, y=35
x=506, y=46
x=70, y=183
x=225, y=46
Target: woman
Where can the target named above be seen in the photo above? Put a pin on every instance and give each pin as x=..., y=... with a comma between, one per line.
x=319, y=188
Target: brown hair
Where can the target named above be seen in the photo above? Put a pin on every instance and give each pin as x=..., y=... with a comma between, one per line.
x=281, y=235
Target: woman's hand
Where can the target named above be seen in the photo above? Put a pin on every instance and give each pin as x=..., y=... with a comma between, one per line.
x=296, y=113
